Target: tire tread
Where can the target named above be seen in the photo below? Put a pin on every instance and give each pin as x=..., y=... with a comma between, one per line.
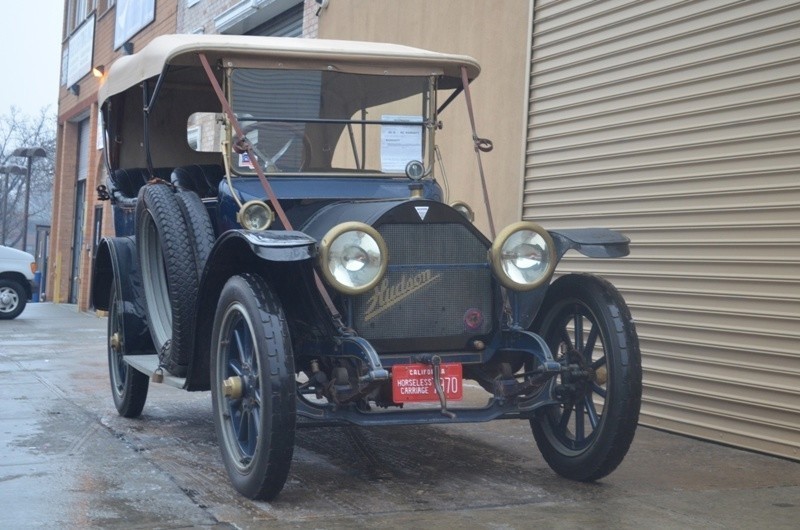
x=177, y=246
x=199, y=228
x=619, y=425
x=130, y=402
x=278, y=429
x=21, y=295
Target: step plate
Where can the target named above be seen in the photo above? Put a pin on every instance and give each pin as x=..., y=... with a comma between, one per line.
x=147, y=364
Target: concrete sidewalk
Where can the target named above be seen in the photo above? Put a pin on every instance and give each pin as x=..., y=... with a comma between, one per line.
x=67, y=460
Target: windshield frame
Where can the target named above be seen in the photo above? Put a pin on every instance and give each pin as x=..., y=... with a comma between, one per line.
x=428, y=125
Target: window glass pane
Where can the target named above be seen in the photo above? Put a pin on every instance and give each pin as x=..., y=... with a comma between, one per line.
x=313, y=121
x=204, y=132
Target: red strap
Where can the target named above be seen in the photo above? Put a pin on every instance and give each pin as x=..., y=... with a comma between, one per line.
x=245, y=145
x=481, y=144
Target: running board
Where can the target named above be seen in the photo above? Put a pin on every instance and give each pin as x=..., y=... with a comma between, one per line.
x=148, y=364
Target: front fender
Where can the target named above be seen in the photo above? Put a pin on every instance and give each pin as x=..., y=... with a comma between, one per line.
x=238, y=251
x=591, y=242
x=278, y=256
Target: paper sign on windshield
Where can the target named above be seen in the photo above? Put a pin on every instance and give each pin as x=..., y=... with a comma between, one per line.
x=400, y=144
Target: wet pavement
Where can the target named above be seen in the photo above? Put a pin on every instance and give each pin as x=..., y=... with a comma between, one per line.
x=67, y=460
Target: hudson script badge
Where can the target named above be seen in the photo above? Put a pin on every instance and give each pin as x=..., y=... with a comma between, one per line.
x=385, y=296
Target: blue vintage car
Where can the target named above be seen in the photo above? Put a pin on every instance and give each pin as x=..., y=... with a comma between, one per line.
x=281, y=239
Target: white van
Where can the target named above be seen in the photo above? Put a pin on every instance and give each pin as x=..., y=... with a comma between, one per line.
x=16, y=281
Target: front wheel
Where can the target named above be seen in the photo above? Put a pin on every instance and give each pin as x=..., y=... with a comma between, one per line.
x=253, y=387
x=588, y=327
x=12, y=299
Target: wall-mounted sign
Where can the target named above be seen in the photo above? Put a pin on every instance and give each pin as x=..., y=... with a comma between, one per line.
x=80, y=49
x=132, y=16
x=64, y=58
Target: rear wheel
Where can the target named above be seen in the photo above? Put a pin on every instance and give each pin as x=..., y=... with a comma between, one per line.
x=253, y=387
x=587, y=326
x=128, y=386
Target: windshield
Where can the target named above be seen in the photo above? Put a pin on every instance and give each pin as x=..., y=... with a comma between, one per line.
x=302, y=121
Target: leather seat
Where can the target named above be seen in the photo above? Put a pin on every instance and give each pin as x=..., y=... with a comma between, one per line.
x=202, y=179
x=126, y=183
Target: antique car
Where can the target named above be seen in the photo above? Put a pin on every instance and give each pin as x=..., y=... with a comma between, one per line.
x=283, y=239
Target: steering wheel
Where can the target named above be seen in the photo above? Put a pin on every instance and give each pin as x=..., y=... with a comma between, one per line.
x=270, y=163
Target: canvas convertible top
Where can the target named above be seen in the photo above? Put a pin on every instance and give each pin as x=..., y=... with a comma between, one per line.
x=277, y=52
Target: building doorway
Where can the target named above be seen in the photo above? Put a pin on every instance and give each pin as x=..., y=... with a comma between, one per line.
x=80, y=207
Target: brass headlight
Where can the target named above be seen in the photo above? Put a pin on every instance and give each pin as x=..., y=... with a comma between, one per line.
x=464, y=209
x=353, y=257
x=523, y=256
x=255, y=215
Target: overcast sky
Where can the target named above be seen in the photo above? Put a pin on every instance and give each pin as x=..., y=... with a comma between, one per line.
x=30, y=49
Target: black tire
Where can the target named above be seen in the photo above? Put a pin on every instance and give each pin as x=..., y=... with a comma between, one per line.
x=128, y=386
x=169, y=278
x=585, y=321
x=256, y=429
x=13, y=299
x=198, y=225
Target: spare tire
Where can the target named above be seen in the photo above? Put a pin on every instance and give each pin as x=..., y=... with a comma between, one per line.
x=169, y=276
x=199, y=228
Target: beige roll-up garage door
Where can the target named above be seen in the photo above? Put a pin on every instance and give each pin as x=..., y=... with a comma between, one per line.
x=678, y=123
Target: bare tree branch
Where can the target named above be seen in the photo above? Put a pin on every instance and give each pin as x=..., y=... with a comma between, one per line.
x=21, y=130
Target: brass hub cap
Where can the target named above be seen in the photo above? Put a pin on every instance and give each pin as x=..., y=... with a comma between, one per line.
x=232, y=387
x=601, y=375
x=116, y=342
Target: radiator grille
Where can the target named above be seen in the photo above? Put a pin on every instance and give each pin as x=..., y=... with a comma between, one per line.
x=438, y=287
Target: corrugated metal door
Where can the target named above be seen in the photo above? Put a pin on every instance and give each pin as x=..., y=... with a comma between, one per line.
x=678, y=123
x=287, y=24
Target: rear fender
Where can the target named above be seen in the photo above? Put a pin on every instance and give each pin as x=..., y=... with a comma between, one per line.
x=116, y=259
x=283, y=258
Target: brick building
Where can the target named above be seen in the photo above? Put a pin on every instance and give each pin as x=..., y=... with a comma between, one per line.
x=96, y=32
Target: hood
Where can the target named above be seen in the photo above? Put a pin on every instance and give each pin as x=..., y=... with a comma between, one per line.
x=9, y=253
x=379, y=212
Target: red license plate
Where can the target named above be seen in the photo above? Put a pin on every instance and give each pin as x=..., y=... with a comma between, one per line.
x=414, y=382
